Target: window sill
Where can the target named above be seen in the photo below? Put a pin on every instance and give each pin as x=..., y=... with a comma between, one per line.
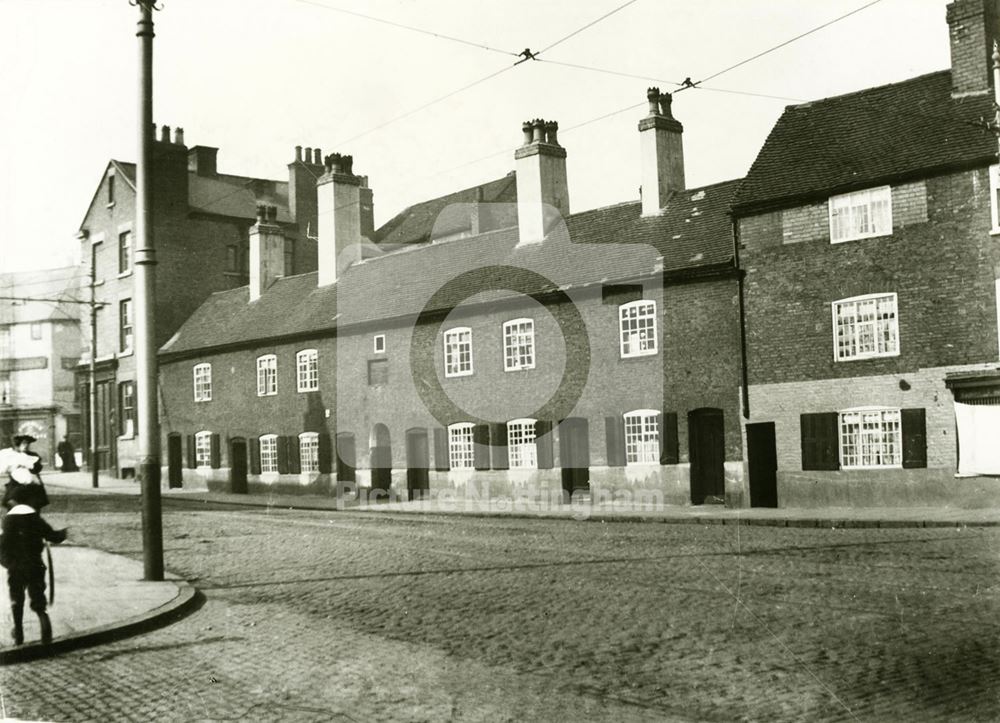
x=458, y=376
x=123, y=274
x=995, y=232
x=870, y=468
x=642, y=355
x=867, y=357
x=308, y=391
x=125, y=437
x=270, y=394
x=520, y=369
x=109, y=205
x=127, y=352
x=199, y=401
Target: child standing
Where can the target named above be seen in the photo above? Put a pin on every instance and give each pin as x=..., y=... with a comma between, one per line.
x=21, y=542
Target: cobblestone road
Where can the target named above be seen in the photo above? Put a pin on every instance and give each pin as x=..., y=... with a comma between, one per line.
x=340, y=616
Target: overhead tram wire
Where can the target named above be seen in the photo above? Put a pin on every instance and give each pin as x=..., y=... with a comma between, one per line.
x=422, y=31
x=527, y=55
x=779, y=45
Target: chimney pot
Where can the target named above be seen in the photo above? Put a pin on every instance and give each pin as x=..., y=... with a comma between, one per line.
x=309, y=154
x=165, y=134
x=317, y=156
x=298, y=153
x=550, y=132
x=666, y=100
x=261, y=214
x=538, y=130
x=526, y=129
x=272, y=213
x=653, y=96
x=179, y=136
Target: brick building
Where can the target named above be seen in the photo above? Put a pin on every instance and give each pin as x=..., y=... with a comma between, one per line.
x=868, y=231
x=201, y=219
x=489, y=341
x=40, y=344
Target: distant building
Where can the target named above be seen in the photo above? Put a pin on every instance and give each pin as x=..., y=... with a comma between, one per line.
x=488, y=338
x=201, y=219
x=868, y=230
x=40, y=344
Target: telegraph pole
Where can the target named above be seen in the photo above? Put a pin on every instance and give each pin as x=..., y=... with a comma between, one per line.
x=145, y=304
x=92, y=392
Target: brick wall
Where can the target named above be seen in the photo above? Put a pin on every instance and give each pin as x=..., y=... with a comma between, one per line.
x=942, y=270
x=697, y=366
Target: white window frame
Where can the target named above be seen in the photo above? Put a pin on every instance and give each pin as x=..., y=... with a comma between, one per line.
x=642, y=437
x=126, y=326
x=267, y=375
x=994, y=199
x=454, y=348
x=309, y=452
x=637, y=329
x=861, y=214
x=863, y=446
x=522, y=448
x=202, y=380
x=879, y=334
x=378, y=344
x=268, y=453
x=461, y=446
x=518, y=344
x=307, y=370
x=203, y=449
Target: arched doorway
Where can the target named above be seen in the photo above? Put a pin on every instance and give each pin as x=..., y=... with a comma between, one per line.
x=380, y=456
x=707, y=450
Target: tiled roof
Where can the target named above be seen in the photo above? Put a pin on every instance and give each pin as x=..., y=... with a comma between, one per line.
x=449, y=215
x=598, y=246
x=865, y=138
x=228, y=195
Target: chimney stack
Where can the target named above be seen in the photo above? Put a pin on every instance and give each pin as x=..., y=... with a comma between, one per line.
x=202, y=160
x=972, y=30
x=165, y=134
x=338, y=218
x=662, y=151
x=302, y=189
x=542, y=190
x=267, y=251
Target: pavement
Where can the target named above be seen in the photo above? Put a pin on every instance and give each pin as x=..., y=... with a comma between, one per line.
x=102, y=596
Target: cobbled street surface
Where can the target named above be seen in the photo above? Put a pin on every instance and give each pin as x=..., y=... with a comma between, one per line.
x=344, y=616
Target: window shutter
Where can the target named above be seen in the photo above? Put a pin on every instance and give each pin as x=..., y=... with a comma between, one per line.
x=324, y=453
x=442, y=462
x=481, y=446
x=820, y=441
x=216, y=456
x=914, y=438
x=614, y=431
x=254, y=455
x=543, y=444
x=192, y=453
x=281, y=443
x=500, y=456
x=669, y=448
x=294, y=457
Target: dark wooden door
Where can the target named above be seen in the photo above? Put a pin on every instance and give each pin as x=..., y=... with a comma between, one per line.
x=380, y=456
x=238, y=465
x=707, y=450
x=418, y=459
x=762, y=465
x=175, y=460
x=105, y=425
x=574, y=454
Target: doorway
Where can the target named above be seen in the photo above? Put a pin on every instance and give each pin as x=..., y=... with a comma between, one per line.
x=238, y=465
x=574, y=455
x=381, y=457
x=762, y=464
x=707, y=450
x=418, y=459
x=175, y=461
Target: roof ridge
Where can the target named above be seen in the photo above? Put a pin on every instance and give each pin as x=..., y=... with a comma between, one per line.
x=861, y=91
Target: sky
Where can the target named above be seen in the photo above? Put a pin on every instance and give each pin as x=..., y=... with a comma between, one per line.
x=255, y=78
